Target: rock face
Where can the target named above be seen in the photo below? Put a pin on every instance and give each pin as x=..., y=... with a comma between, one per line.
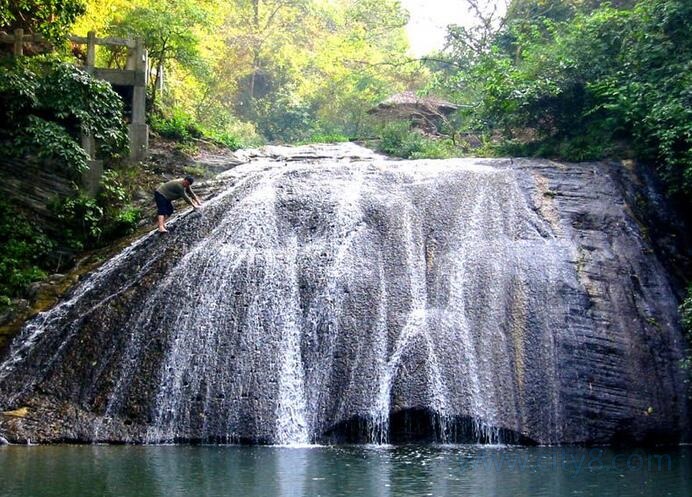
x=330, y=294
x=47, y=182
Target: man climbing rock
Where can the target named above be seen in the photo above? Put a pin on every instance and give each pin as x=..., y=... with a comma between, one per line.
x=173, y=190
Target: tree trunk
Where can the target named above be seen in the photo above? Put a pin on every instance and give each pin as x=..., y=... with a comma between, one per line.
x=255, y=59
x=159, y=71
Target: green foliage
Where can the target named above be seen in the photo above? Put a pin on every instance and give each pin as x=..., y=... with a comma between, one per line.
x=183, y=127
x=168, y=28
x=177, y=125
x=321, y=137
x=48, y=141
x=45, y=104
x=225, y=138
x=686, y=320
x=220, y=126
x=23, y=248
x=76, y=98
x=52, y=18
x=256, y=70
x=120, y=218
x=686, y=313
x=586, y=147
x=589, y=82
x=282, y=117
x=436, y=148
x=398, y=140
x=80, y=217
x=91, y=222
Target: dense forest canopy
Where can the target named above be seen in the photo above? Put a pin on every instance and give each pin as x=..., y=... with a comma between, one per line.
x=283, y=70
x=574, y=79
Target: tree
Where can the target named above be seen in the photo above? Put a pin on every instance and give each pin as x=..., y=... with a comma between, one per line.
x=360, y=61
x=558, y=10
x=52, y=18
x=260, y=32
x=168, y=28
x=289, y=67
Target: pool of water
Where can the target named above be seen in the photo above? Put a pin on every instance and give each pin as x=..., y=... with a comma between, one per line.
x=381, y=471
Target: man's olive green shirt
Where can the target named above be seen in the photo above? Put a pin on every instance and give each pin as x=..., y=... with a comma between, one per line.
x=174, y=189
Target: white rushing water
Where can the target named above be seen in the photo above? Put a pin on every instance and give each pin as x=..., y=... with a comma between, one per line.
x=340, y=290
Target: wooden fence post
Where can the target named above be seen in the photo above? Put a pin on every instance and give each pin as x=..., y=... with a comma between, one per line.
x=139, y=92
x=139, y=131
x=18, y=42
x=91, y=51
x=131, y=55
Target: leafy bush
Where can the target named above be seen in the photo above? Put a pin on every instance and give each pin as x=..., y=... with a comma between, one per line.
x=124, y=222
x=91, y=222
x=398, y=140
x=48, y=141
x=579, y=148
x=219, y=124
x=686, y=313
x=321, y=137
x=686, y=320
x=23, y=250
x=283, y=118
x=177, y=125
x=45, y=104
x=225, y=138
x=120, y=218
x=51, y=18
x=438, y=148
x=183, y=127
x=81, y=219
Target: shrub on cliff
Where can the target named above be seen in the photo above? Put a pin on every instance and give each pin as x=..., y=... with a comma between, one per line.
x=89, y=222
x=44, y=106
x=176, y=124
x=686, y=319
x=23, y=254
x=399, y=140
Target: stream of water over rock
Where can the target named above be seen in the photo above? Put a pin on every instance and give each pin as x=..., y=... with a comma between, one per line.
x=340, y=296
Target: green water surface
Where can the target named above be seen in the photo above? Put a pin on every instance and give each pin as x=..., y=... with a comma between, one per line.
x=363, y=471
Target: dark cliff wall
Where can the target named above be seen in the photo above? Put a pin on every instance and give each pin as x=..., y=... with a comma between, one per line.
x=32, y=186
x=664, y=224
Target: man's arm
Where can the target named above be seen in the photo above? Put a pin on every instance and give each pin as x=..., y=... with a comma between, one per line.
x=194, y=196
x=194, y=201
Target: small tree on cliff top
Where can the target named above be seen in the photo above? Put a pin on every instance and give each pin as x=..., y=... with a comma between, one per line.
x=168, y=29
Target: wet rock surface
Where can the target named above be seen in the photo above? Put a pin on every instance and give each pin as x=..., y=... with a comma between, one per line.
x=329, y=294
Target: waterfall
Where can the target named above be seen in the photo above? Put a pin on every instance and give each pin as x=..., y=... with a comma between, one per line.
x=328, y=298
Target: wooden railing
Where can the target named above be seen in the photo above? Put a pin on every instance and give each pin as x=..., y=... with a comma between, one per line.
x=19, y=39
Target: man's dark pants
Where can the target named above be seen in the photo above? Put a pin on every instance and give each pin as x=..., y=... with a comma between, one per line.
x=163, y=205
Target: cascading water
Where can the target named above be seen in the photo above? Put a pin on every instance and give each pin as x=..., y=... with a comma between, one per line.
x=341, y=299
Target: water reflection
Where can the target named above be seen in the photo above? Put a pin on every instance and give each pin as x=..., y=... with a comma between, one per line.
x=363, y=471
